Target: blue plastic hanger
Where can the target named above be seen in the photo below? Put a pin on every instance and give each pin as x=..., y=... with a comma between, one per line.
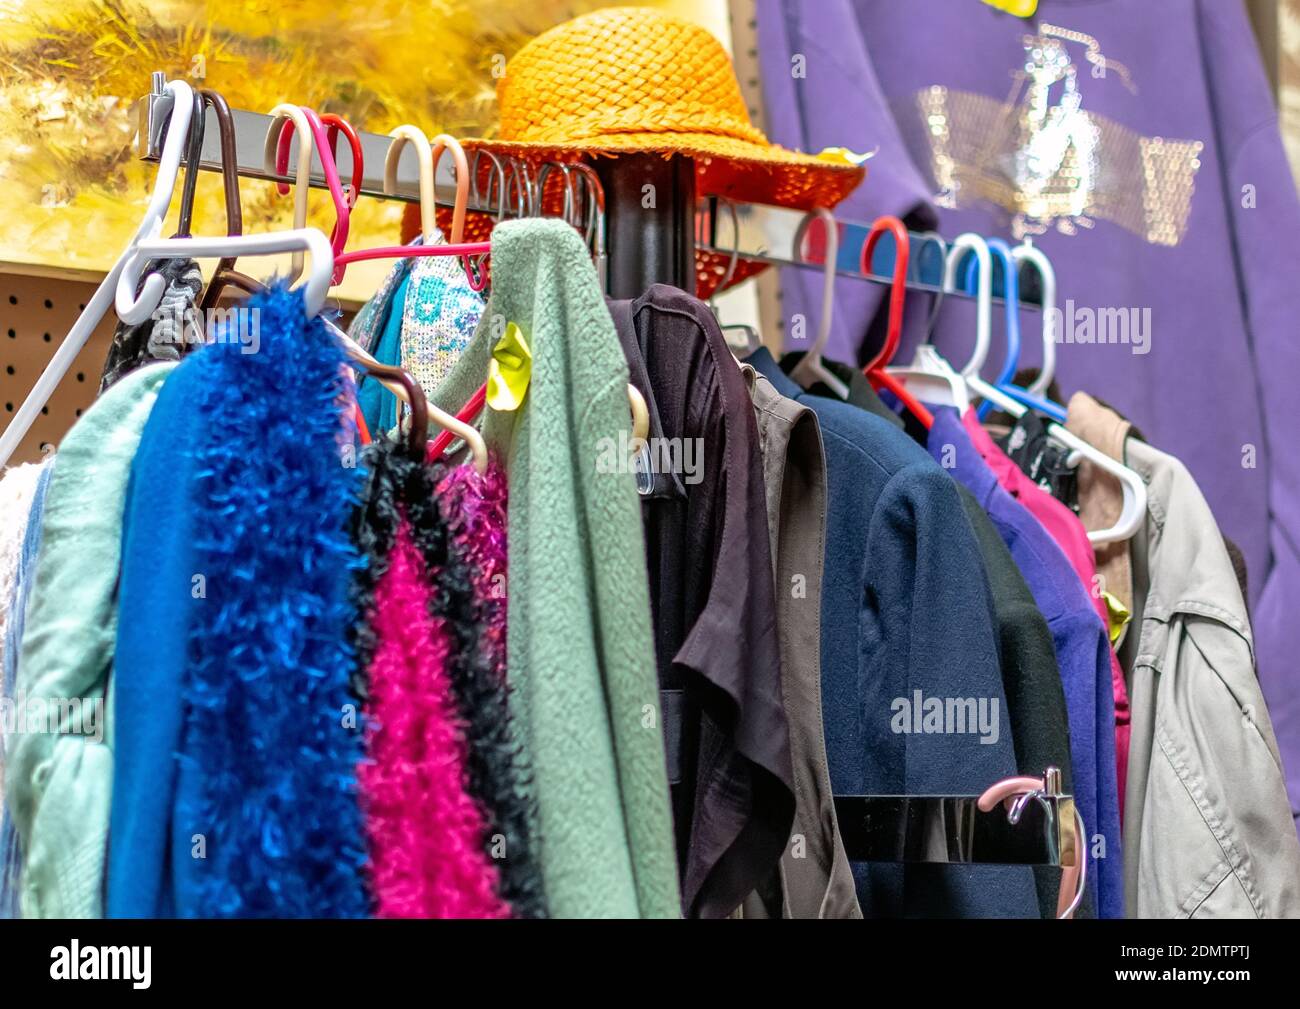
x=1001, y=253
x=1010, y=260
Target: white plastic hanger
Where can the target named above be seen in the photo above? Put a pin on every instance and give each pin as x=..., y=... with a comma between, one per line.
x=983, y=293
x=1028, y=252
x=178, y=126
x=1134, y=507
x=930, y=377
x=811, y=369
x=302, y=174
x=427, y=156
x=300, y=240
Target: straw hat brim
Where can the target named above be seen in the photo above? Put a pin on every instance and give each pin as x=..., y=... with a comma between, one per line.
x=725, y=166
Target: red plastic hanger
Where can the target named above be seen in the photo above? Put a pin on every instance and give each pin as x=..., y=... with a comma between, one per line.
x=334, y=124
x=467, y=413
x=874, y=369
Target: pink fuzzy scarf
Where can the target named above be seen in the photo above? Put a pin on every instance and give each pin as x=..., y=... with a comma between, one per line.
x=475, y=510
x=426, y=832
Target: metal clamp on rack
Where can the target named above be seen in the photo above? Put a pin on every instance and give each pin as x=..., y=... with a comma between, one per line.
x=1038, y=829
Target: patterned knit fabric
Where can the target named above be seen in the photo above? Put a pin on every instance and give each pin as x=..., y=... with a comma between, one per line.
x=439, y=317
x=176, y=321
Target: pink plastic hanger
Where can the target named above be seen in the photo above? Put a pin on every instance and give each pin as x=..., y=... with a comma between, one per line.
x=428, y=158
x=1073, y=876
x=333, y=125
x=342, y=209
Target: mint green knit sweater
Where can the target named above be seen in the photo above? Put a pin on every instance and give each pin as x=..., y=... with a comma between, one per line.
x=59, y=783
x=580, y=649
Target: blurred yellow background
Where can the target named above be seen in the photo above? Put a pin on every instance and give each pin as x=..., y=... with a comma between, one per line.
x=71, y=70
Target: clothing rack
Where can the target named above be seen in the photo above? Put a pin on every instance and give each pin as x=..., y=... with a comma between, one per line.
x=643, y=246
x=635, y=247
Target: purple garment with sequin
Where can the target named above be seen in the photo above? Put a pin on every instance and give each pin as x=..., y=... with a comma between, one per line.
x=1155, y=174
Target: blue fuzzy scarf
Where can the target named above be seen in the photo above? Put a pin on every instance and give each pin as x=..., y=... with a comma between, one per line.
x=267, y=784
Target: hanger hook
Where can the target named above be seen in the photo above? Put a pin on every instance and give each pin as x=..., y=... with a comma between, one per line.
x=968, y=241
x=1000, y=252
x=310, y=126
x=335, y=124
x=733, y=257
x=193, y=157
x=401, y=136
x=1027, y=252
x=897, y=286
x=302, y=176
x=496, y=182
x=460, y=166
x=936, y=301
x=520, y=180
x=1015, y=794
x=594, y=210
x=134, y=307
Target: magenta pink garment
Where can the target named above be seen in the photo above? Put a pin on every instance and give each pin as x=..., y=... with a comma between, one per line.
x=426, y=832
x=1068, y=532
x=475, y=509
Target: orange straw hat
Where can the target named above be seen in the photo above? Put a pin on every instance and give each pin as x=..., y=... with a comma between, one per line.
x=628, y=79
x=624, y=80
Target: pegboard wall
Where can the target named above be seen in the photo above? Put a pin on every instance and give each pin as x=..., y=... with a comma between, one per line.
x=35, y=315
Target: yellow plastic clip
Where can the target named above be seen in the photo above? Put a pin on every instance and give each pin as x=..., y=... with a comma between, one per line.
x=509, y=371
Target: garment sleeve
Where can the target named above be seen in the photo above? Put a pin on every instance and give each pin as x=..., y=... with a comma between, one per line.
x=820, y=90
x=929, y=635
x=744, y=791
x=1260, y=194
x=1214, y=832
x=620, y=595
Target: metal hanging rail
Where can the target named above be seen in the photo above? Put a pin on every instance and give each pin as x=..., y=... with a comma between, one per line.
x=773, y=235
x=767, y=234
x=151, y=114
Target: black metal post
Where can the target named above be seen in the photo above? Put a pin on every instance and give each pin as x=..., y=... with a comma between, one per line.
x=649, y=221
